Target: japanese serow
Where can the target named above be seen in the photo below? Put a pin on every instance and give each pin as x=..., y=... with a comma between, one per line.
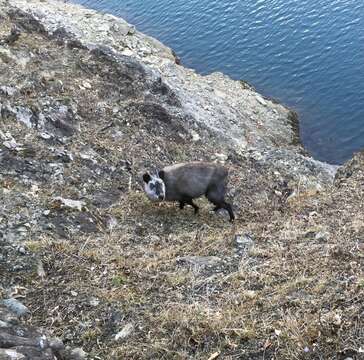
x=187, y=181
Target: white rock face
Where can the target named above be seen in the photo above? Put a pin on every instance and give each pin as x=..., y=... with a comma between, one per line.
x=230, y=109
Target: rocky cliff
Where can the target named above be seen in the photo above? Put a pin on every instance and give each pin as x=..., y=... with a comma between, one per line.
x=87, y=103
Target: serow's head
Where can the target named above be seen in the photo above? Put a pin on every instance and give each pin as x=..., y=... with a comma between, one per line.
x=154, y=187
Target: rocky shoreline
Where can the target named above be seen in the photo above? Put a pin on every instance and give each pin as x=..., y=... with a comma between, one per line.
x=87, y=103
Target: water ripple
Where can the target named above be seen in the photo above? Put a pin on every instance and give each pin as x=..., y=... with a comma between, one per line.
x=307, y=53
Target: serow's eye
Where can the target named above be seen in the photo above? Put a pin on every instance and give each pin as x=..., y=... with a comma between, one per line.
x=152, y=186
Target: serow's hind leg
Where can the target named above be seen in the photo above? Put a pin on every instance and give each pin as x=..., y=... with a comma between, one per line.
x=229, y=209
x=182, y=204
x=195, y=207
x=216, y=196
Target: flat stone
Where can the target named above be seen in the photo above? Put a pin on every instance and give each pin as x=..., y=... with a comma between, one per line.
x=244, y=240
x=125, y=332
x=200, y=261
x=78, y=354
x=243, y=243
x=70, y=204
x=16, y=307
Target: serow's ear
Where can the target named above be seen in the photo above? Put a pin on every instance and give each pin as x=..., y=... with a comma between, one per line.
x=161, y=174
x=146, y=178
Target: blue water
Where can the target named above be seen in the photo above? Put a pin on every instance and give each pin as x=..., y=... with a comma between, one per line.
x=308, y=54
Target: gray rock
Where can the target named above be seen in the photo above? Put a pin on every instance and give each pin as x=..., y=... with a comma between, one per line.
x=195, y=135
x=11, y=354
x=16, y=307
x=61, y=121
x=69, y=203
x=199, y=261
x=125, y=332
x=64, y=155
x=24, y=115
x=244, y=240
x=56, y=344
x=303, y=170
x=8, y=90
x=8, y=340
x=322, y=236
x=22, y=250
x=94, y=301
x=243, y=243
x=45, y=136
x=78, y=354
x=221, y=157
x=7, y=316
x=4, y=324
x=13, y=145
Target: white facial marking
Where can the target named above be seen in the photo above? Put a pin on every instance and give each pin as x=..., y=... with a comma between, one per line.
x=155, y=189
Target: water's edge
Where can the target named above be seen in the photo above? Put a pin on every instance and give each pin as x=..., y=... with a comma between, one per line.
x=236, y=115
x=289, y=51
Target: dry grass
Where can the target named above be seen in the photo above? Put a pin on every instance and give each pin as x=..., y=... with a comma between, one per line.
x=291, y=296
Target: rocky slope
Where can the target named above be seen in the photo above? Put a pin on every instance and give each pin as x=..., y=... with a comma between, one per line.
x=87, y=103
